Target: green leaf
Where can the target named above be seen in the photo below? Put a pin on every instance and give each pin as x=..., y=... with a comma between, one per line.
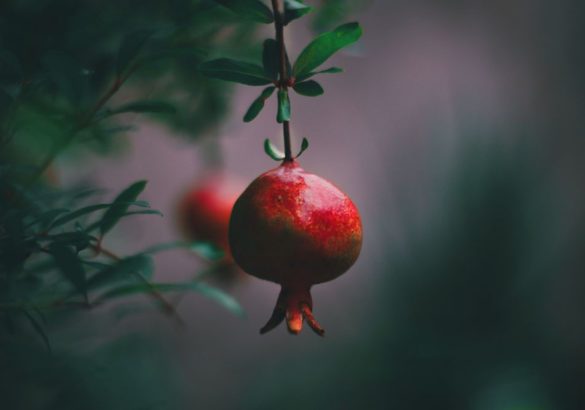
x=206, y=250
x=270, y=58
x=253, y=10
x=90, y=209
x=324, y=46
x=272, y=151
x=294, y=9
x=145, y=106
x=144, y=212
x=38, y=327
x=69, y=264
x=309, y=88
x=130, y=47
x=123, y=269
x=78, y=213
x=283, y=113
x=304, y=146
x=330, y=70
x=120, y=206
x=237, y=71
x=217, y=295
x=258, y=104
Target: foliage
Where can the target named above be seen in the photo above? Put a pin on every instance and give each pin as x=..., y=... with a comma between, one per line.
x=69, y=72
x=63, y=64
x=51, y=255
x=266, y=72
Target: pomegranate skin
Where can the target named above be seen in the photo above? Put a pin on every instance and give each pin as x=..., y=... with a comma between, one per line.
x=295, y=229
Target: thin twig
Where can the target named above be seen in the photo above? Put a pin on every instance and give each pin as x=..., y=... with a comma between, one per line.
x=168, y=306
x=277, y=8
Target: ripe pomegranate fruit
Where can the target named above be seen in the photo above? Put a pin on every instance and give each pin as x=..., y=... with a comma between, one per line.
x=204, y=211
x=295, y=229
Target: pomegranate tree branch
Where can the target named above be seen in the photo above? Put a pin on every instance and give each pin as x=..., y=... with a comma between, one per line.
x=278, y=11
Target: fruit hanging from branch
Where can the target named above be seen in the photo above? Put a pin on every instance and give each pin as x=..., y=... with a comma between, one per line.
x=289, y=226
x=295, y=229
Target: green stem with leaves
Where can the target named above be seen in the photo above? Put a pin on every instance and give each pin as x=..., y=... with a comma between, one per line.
x=278, y=11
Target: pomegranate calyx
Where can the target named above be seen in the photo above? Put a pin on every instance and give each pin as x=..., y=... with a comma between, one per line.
x=294, y=306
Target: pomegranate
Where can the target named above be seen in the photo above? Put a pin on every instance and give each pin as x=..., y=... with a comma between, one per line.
x=295, y=229
x=204, y=211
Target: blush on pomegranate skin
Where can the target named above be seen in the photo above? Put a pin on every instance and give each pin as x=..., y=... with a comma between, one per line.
x=295, y=229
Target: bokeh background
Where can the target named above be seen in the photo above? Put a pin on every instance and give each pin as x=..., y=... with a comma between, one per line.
x=457, y=129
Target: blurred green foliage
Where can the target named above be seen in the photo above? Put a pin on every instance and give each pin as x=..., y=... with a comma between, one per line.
x=63, y=66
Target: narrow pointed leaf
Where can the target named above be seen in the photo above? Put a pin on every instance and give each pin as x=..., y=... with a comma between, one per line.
x=258, y=104
x=270, y=58
x=143, y=212
x=120, y=206
x=272, y=151
x=330, y=70
x=283, y=113
x=78, y=213
x=253, y=10
x=309, y=88
x=88, y=210
x=217, y=295
x=237, y=71
x=324, y=46
x=204, y=249
x=294, y=9
x=304, y=146
x=123, y=269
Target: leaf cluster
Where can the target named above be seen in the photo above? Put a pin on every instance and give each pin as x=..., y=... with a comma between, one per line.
x=62, y=63
x=51, y=256
x=299, y=74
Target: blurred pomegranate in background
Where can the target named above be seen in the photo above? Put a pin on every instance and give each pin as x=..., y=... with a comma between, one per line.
x=204, y=210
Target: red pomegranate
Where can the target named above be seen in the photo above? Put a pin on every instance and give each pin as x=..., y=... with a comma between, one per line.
x=204, y=211
x=295, y=229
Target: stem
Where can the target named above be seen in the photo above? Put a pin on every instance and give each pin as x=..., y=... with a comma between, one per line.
x=277, y=8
